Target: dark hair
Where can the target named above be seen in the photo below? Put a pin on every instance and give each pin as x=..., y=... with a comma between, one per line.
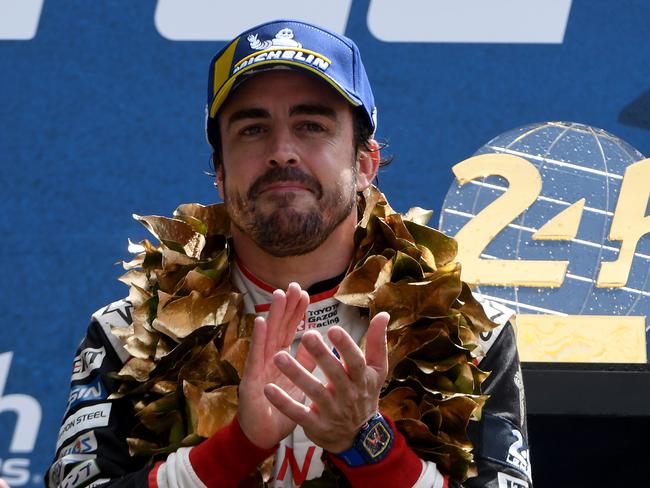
x=360, y=124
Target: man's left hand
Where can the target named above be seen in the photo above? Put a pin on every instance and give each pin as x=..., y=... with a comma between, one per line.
x=351, y=396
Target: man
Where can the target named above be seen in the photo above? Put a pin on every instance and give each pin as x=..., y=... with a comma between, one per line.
x=290, y=119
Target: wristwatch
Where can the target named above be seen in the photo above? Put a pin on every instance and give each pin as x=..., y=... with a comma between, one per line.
x=371, y=444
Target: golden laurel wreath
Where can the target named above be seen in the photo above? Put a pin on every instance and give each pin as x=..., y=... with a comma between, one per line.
x=190, y=336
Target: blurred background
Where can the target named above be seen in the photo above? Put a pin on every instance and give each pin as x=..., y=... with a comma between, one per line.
x=102, y=113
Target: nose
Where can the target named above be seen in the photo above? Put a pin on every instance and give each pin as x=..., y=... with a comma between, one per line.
x=282, y=148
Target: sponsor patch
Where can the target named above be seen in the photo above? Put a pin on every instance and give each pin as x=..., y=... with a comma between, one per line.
x=84, y=419
x=86, y=362
x=80, y=474
x=282, y=46
x=504, y=443
x=57, y=471
x=518, y=453
x=83, y=393
x=322, y=316
x=507, y=481
x=83, y=444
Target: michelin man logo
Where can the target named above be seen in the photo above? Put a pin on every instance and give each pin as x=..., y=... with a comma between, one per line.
x=284, y=38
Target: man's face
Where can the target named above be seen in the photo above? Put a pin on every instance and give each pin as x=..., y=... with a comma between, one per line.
x=289, y=172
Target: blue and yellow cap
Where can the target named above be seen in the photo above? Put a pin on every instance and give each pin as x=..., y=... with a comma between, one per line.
x=294, y=44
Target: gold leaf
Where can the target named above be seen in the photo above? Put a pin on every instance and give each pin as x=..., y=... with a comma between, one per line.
x=400, y=403
x=397, y=225
x=135, y=248
x=162, y=348
x=175, y=234
x=137, y=295
x=210, y=411
x=179, y=317
x=236, y=355
x=455, y=413
x=138, y=349
x=443, y=247
x=140, y=447
x=215, y=217
x=142, y=332
x=196, y=224
x=474, y=312
x=172, y=260
x=163, y=299
x=402, y=342
x=195, y=280
x=438, y=354
x=136, y=262
x=140, y=316
x=135, y=277
x=137, y=369
x=206, y=366
x=165, y=404
x=122, y=333
x=358, y=287
x=236, y=341
x=405, y=267
x=163, y=387
x=406, y=302
x=372, y=199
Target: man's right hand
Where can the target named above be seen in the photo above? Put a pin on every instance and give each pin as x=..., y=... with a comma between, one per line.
x=262, y=423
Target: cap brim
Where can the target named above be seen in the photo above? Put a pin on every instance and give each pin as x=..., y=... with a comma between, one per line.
x=263, y=66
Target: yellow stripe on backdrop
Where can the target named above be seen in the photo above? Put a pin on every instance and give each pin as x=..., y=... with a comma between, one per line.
x=581, y=338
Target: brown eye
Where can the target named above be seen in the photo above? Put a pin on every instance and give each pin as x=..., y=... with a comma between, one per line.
x=313, y=127
x=251, y=130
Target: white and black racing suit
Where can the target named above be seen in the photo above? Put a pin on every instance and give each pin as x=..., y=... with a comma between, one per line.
x=91, y=448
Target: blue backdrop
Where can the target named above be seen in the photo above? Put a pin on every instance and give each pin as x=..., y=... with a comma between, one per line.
x=102, y=116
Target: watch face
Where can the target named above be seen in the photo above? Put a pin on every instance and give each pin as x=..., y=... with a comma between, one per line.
x=376, y=440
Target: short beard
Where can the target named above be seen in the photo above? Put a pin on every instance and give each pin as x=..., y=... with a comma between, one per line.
x=287, y=231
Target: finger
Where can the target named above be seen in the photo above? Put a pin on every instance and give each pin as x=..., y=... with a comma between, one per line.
x=376, y=349
x=351, y=354
x=301, y=307
x=256, y=355
x=274, y=322
x=304, y=380
x=293, y=316
x=295, y=411
x=305, y=359
x=327, y=361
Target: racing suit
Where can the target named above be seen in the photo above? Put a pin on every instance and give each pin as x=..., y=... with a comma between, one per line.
x=91, y=448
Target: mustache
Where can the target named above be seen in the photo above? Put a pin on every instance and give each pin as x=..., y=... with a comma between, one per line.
x=287, y=173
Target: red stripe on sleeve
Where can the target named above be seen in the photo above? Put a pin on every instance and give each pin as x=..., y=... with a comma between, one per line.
x=153, y=475
x=400, y=468
x=227, y=457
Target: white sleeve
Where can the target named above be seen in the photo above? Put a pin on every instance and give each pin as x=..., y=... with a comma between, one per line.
x=177, y=471
x=430, y=477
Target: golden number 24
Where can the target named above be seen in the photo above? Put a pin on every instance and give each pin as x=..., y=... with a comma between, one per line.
x=629, y=224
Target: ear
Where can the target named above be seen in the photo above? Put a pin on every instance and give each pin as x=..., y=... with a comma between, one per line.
x=218, y=180
x=367, y=165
